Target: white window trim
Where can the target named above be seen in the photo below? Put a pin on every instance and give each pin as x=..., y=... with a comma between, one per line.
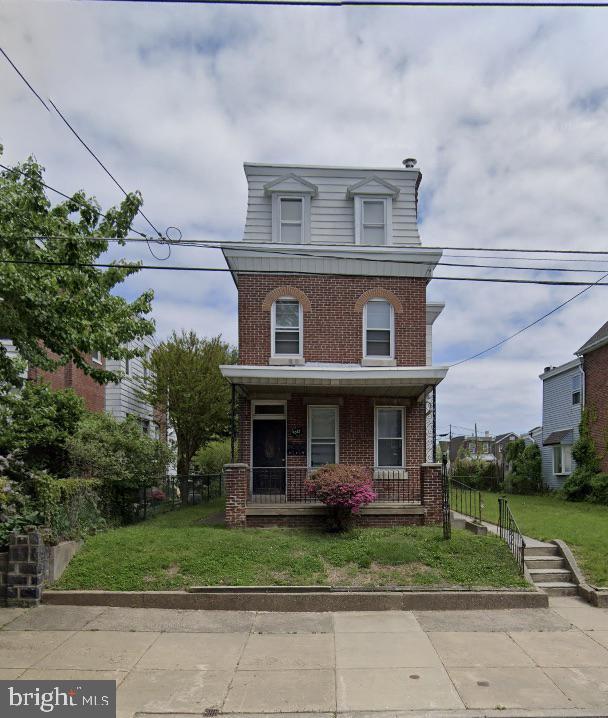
x=282, y=417
x=403, y=434
x=388, y=218
x=268, y=402
x=392, y=330
x=563, y=472
x=276, y=216
x=273, y=352
x=336, y=409
x=95, y=359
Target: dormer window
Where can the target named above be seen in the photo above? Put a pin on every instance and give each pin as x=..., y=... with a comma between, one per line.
x=291, y=220
x=287, y=328
x=290, y=199
x=374, y=222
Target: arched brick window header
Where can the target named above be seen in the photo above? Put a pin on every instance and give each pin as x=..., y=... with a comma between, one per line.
x=286, y=291
x=390, y=297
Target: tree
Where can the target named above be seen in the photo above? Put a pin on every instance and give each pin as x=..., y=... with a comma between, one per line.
x=36, y=423
x=55, y=310
x=525, y=462
x=184, y=380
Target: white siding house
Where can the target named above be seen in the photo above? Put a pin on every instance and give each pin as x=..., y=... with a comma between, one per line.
x=122, y=398
x=562, y=402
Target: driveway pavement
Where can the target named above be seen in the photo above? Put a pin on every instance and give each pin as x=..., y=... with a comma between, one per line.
x=540, y=661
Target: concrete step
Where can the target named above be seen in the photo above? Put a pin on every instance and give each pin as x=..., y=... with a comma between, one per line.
x=550, y=574
x=534, y=562
x=558, y=588
x=548, y=550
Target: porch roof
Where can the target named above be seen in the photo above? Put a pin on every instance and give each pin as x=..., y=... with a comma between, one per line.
x=407, y=381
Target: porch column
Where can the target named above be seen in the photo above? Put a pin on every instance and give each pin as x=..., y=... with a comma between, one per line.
x=431, y=489
x=236, y=478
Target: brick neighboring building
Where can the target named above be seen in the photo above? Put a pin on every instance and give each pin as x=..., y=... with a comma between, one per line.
x=72, y=377
x=335, y=347
x=594, y=359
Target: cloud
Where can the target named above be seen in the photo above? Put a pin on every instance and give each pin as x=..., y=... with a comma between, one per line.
x=505, y=110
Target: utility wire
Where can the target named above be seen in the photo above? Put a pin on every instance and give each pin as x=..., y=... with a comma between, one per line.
x=528, y=326
x=188, y=268
x=380, y=3
x=22, y=76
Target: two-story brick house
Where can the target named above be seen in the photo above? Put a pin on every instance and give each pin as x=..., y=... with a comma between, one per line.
x=335, y=343
x=594, y=361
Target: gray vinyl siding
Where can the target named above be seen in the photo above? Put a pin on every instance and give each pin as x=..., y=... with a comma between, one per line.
x=331, y=213
x=558, y=414
x=121, y=398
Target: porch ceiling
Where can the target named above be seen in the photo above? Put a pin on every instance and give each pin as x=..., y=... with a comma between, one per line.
x=328, y=379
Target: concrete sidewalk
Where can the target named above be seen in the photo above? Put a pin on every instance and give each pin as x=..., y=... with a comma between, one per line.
x=540, y=661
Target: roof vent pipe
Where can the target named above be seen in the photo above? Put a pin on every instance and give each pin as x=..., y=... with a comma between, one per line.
x=409, y=163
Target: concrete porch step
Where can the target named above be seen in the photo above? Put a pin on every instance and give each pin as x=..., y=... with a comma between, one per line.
x=536, y=562
x=558, y=588
x=541, y=550
x=547, y=575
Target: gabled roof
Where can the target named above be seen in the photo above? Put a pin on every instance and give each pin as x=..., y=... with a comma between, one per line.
x=291, y=183
x=596, y=341
x=373, y=186
x=502, y=437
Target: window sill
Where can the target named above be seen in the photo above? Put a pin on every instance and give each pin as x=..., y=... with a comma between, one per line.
x=378, y=362
x=286, y=361
x=563, y=473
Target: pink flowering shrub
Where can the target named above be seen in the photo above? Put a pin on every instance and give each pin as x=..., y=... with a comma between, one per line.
x=344, y=488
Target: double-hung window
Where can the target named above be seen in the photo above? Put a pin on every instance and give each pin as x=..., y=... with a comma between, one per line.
x=390, y=451
x=322, y=435
x=373, y=222
x=562, y=459
x=287, y=328
x=96, y=357
x=291, y=220
x=378, y=329
x=576, y=389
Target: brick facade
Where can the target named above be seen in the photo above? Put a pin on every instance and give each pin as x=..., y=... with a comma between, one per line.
x=71, y=377
x=596, y=399
x=333, y=328
x=236, y=480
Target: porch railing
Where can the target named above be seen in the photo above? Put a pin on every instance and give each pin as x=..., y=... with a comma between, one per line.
x=465, y=499
x=509, y=532
x=280, y=485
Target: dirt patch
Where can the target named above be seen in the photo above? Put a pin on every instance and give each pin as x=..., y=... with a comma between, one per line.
x=172, y=570
x=376, y=574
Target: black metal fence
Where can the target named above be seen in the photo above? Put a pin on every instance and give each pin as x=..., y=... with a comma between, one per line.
x=465, y=499
x=281, y=485
x=509, y=532
x=171, y=492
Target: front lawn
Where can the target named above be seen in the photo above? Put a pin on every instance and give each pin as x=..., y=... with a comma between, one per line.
x=176, y=550
x=583, y=526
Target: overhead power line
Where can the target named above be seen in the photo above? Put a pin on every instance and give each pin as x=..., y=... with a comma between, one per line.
x=371, y=3
x=188, y=268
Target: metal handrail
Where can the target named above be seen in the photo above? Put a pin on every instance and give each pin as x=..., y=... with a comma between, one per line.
x=466, y=499
x=509, y=532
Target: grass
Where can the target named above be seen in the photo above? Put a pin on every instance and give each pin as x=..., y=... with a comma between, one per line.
x=176, y=550
x=583, y=526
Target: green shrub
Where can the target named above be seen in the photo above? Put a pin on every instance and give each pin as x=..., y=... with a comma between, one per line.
x=525, y=476
x=17, y=510
x=474, y=472
x=211, y=458
x=69, y=508
x=599, y=489
x=577, y=487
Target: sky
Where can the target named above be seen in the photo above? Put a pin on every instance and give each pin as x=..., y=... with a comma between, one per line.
x=504, y=109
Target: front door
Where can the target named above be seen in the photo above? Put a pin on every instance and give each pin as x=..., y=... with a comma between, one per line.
x=268, y=456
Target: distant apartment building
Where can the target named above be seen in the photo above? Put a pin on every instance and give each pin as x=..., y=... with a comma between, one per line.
x=562, y=404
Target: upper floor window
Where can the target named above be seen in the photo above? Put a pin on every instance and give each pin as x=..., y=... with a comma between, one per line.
x=378, y=323
x=287, y=327
x=576, y=389
x=96, y=357
x=373, y=221
x=291, y=219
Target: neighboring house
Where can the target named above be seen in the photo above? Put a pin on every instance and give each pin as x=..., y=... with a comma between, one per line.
x=500, y=446
x=562, y=401
x=479, y=447
x=594, y=359
x=68, y=376
x=534, y=436
x=122, y=398
x=334, y=346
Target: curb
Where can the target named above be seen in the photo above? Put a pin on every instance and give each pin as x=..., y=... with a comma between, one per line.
x=235, y=599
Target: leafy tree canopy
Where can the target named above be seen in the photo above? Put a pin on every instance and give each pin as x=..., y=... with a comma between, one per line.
x=184, y=379
x=67, y=310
